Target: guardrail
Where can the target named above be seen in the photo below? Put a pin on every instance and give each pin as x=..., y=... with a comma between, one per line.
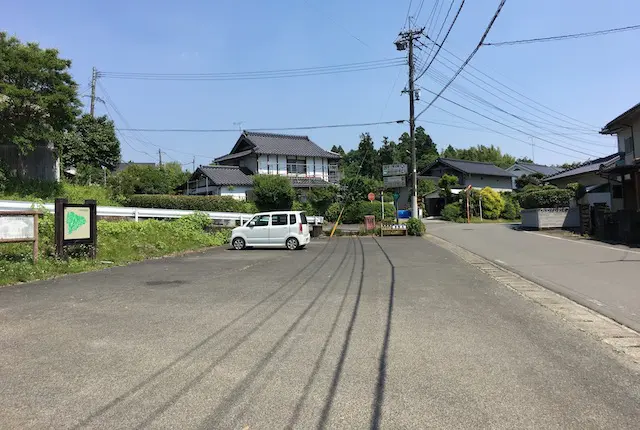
x=144, y=213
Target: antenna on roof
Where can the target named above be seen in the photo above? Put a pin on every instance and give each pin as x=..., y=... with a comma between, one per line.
x=239, y=124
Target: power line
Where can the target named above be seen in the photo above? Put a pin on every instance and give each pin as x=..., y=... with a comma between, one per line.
x=564, y=37
x=443, y=40
x=253, y=75
x=489, y=84
x=233, y=130
x=474, y=98
x=511, y=127
x=473, y=53
x=503, y=134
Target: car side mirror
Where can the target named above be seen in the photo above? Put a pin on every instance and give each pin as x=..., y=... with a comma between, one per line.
x=252, y=224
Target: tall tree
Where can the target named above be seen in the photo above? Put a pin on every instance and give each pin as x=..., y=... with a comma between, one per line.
x=92, y=142
x=369, y=161
x=338, y=150
x=38, y=96
x=388, y=152
x=487, y=154
x=524, y=160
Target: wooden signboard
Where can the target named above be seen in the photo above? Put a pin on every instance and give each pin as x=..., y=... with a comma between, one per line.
x=76, y=224
x=20, y=226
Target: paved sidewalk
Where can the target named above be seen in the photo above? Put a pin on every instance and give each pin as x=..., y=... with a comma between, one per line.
x=603, y=277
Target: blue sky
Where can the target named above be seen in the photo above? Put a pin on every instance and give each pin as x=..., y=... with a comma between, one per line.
x=591, y=79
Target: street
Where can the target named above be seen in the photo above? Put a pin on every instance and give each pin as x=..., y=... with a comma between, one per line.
x=602, y=277
x=348, y=333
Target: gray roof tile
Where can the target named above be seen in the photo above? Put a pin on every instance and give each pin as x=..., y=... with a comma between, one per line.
x=587, y=167
x=282, y=144
x=540, y=168
x=471, y=167
x=226, y=175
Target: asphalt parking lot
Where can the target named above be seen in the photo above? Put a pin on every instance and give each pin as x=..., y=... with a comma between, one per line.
x=348, y=333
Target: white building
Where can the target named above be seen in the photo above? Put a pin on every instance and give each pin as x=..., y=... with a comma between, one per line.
x=296, y=157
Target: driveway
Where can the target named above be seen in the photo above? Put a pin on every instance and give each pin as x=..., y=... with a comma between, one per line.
x=349, y=333
x=603, y=277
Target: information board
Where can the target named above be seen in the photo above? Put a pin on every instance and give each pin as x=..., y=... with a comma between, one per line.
x=394, y=169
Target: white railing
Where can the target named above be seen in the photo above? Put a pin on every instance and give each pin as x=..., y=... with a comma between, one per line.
x=143, y=213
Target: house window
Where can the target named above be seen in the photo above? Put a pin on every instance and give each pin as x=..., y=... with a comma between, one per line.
x=296, y=165
x=628, y=145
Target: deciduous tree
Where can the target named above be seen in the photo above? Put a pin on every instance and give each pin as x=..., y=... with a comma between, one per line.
x=38, y=96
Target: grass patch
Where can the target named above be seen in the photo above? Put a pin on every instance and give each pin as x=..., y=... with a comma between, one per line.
x=119, y=243
x=47, y=192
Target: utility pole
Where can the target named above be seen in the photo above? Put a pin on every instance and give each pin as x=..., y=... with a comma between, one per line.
x=533, y=155
x=194, y=163
x=405, y=41
x=94, y=79
x=160, y=157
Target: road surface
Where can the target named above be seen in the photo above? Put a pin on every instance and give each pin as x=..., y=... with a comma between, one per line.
x=349, y=333
x=603, y=277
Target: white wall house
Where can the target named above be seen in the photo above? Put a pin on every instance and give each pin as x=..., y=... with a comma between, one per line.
x=296, y=157
x=230, y=181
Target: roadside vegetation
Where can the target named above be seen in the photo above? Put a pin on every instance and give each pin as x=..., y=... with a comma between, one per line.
x=119, y=242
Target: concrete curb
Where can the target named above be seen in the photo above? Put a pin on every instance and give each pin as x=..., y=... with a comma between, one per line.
x=618, y=335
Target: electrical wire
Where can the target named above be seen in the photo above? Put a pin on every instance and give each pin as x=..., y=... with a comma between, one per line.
x=473, y=53
x=475, y=98
x=443, y=40
x=267, y=74
x=564, y=37
x=235, y=130
x=503, y=134
x=511, y=127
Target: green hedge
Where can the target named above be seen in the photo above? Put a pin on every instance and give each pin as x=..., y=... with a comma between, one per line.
x=554, y=198
x=355, y=212
x=194, y=203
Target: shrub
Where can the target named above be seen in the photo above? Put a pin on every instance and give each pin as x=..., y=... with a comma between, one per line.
x=321, y=198
x=333, y=211
x=298, y=206
x=249, y=207
x=452, y=211
x=549, y=198
x=355, y=212
x=511, y=206
x=273, y=192
x=492, y=203
x=194, y=203
x=415, y=227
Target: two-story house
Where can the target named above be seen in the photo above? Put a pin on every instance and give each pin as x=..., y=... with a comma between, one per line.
x=626, y=171
x=474, y=173
x=298, y=158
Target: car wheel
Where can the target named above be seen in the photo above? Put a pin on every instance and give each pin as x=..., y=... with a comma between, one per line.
x=292, y=243
x=238, y=243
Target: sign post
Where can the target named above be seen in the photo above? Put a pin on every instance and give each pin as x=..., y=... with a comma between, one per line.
x=20, y=226
x=76, y=224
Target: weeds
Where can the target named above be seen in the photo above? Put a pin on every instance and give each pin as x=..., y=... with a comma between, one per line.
x=119, y=243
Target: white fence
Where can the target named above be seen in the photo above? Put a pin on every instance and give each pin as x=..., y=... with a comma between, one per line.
x=144, y=213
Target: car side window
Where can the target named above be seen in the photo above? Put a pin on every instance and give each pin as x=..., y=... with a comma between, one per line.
x=292, y=219
x=279, y=219
x=261, y=220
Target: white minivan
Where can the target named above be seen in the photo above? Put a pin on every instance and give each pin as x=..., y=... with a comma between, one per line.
x=273, y=229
